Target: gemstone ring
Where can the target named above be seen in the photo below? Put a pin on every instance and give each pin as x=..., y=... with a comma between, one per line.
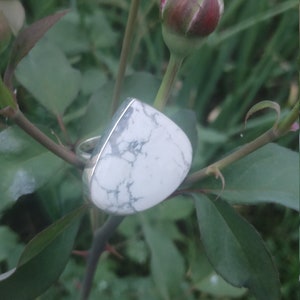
x=140, y=160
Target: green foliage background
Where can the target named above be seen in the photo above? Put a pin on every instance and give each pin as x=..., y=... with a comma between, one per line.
x=251, y=57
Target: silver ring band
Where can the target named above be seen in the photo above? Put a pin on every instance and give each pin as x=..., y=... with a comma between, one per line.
x=85, y=149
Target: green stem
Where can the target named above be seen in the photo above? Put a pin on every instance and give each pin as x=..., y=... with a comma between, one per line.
x=267, y=137
x=124, y=53
x=17, y=116
x=285, y=125
x=102, y=235
x=7, y=98
x=168, y=81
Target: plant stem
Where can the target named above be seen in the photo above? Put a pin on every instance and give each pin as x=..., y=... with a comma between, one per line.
x=124, y=53
x=17, y=116
x=168, y=81
x=270, y=135
x=285, y=125
x=102, y=235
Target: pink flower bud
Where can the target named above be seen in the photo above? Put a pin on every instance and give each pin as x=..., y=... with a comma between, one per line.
x=194, y=18
x=185, y=22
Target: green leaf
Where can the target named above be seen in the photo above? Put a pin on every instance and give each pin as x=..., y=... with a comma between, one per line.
x=270, y=174
x=91, y=80
x=263, y=105
x=235, y=249
x=215, y=285
x=25, y=166
x=26, y=40
x=5, y=32
x=14, y=142
x=204, y=278
x=69, y=34
x=46, y=73
x=137, y=250
x=43, y=259
x=167, y=266
x=6, y=98
x=212, y=136
x=9, y=246
x=61, y=195
x=174, y=209
x=101, y=31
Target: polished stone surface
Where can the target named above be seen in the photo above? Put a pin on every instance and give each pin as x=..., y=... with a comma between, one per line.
x=139, y=162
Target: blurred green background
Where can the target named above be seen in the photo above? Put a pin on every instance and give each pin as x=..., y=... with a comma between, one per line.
x=251, y=57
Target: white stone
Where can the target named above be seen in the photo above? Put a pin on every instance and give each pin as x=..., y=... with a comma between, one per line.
x=139, y=163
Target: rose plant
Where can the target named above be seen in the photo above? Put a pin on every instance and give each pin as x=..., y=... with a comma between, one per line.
x=45, y=83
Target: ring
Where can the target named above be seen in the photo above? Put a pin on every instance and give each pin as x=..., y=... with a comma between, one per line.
x=140, y=160
x=85, y=149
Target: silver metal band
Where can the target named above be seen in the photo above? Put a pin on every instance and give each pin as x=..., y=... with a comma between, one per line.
x=85, y=149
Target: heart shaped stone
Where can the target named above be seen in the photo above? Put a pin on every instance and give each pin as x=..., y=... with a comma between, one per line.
x=139, y=161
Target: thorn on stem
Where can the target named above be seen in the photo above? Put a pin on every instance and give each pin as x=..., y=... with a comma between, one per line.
x=218, y=174
x=112, y=250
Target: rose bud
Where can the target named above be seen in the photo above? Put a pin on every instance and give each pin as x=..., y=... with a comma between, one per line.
x=188, y=20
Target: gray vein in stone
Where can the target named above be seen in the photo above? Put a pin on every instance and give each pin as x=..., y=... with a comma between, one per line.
x=153, y=116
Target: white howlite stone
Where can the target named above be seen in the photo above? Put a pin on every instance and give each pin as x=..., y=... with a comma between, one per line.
x=140, y=161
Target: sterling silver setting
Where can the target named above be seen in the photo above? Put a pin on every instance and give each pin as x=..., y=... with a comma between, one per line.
x=84, y=149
